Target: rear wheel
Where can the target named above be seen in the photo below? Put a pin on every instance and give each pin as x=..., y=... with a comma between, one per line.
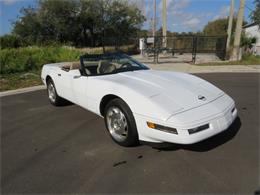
x=54, y=98
x=120, y=123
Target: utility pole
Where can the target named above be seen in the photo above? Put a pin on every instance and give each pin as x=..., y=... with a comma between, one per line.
x=230, y=23
x=240, y=18
x=154, y=20
x=164, y=23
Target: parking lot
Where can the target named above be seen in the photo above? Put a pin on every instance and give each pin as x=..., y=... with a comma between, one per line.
x=63, y=150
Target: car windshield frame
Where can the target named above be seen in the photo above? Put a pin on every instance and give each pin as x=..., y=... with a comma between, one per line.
x=109, y=57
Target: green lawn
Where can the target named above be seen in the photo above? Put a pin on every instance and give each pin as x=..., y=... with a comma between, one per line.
x=246, y=60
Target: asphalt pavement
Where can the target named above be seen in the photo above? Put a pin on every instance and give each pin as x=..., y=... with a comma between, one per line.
x=64, y=150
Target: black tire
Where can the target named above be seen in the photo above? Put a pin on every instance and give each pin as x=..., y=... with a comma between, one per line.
x=56, y=100
x=132, y=134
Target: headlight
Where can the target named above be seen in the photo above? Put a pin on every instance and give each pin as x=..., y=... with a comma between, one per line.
x=162, y=128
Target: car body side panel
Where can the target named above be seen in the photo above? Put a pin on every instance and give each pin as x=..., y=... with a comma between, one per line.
x=139, y=103
x=65, y=83
x=52, y=70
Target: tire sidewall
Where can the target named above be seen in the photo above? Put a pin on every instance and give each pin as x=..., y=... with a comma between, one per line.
x=56, y=103
x=132, y=134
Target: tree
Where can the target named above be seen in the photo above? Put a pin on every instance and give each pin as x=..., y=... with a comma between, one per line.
x=81, y=22
x=53, y=21
x=255, y=15
x=58, y=19
x=11, y=41
x=126, y=18
x=247, y=41
x=28, y=26
x=218, y=27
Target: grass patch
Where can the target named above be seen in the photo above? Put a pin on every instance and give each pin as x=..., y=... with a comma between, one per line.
x=19, y=80
x=246, y=60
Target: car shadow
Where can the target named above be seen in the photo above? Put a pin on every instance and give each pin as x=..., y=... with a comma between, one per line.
x=202, y=146
x=65, y=103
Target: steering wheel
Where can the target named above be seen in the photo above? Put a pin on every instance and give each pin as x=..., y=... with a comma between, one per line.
x=126, y=65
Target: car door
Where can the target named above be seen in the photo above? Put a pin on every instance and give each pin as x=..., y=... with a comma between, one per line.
x=65, y=82
x=79, y=88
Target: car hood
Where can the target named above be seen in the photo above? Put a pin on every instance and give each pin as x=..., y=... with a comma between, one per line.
x=163, y=94
x=175, y=92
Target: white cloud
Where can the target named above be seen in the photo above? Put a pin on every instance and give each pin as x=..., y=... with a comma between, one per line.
x=9, y=2
x=186, y=20
x=174, y=5
x=192, y=23
x=179, y=17
x=223, y=12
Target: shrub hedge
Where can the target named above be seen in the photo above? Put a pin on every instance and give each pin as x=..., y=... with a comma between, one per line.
x=23, y=59
x=32, y=58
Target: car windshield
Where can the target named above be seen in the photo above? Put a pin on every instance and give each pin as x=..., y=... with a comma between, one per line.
x=103, y=64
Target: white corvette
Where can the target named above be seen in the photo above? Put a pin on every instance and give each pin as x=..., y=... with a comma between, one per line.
x=138, y=103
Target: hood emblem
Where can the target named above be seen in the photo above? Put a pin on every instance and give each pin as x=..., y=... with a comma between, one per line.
x=201, y=97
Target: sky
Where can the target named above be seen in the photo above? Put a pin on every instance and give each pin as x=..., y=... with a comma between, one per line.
x=182, y=15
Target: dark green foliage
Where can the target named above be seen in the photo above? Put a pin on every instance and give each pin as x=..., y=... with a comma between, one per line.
x=25, y=59
x=32, y=58
x=255, y=15
x=218, y=27
x=78, y=22
x=11, y=41
x=247, y=41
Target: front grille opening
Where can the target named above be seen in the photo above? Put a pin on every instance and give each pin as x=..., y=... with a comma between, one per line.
x=198, y=129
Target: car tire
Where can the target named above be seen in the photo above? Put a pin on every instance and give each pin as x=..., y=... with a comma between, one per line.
x=54, y=98
x=120, y=123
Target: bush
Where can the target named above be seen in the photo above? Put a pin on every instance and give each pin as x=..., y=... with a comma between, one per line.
x=32, y=58
x=248, y=59
x=11, y=41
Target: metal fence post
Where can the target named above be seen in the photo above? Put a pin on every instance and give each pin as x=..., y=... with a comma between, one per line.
x=194, y=49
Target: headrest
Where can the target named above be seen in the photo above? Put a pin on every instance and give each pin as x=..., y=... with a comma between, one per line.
x=105, y=66
x=75, y=65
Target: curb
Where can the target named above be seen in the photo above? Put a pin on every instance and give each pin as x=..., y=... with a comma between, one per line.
x=22, y=90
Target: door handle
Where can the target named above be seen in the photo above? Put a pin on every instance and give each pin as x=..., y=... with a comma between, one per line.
x=59, y=75
x=76, y=77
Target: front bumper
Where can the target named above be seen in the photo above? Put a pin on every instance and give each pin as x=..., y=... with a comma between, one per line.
x=216, y=124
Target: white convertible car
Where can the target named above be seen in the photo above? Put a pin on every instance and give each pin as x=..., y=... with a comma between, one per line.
x=138, y=103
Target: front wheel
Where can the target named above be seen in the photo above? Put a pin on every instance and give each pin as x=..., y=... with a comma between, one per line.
x=120, y=123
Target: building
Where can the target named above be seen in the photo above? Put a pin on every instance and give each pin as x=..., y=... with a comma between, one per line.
x=253, y=30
